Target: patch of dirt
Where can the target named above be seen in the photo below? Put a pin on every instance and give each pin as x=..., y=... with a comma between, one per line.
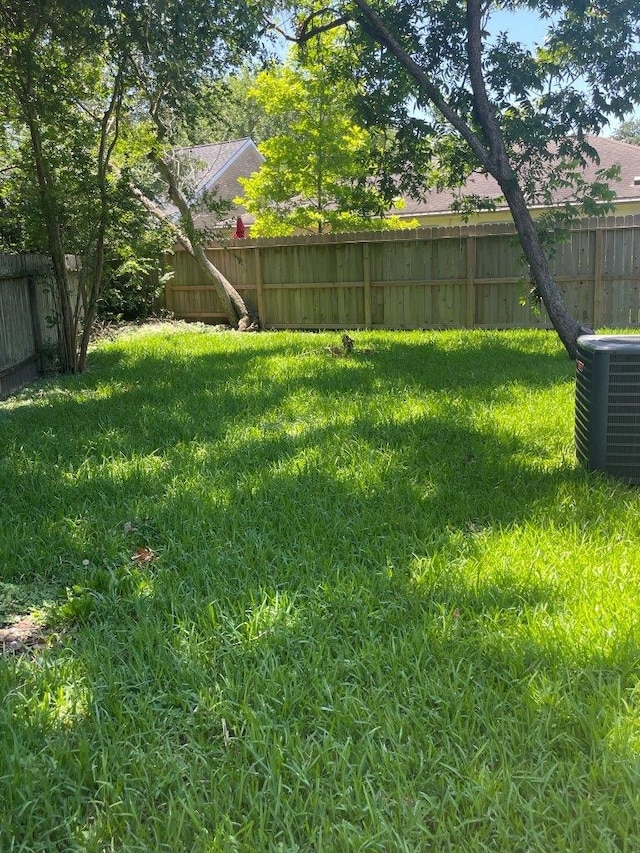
x=24, y=636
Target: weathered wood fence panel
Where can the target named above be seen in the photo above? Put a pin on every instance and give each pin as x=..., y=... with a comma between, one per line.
x=621, y=274
x=27, y=319
x=471, y=276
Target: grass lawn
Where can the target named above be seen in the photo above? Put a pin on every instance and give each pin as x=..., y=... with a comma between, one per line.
x=375, y=605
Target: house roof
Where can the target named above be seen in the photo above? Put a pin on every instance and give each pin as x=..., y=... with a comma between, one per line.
x=611, y=153
x=217, y=166
x=215, y=160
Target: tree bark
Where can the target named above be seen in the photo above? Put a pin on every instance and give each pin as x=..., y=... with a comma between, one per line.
x=542, y=276
x=499, y=165
x=233, y=304
x=109, y=132
x=47, y=192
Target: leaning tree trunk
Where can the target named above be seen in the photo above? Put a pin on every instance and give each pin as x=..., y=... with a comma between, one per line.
x=233, y=304
x=496, y=161
x=489, y=147
x=542, y=276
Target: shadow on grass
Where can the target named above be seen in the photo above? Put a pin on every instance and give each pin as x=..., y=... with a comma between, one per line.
x=110, y=447
x=331, y=613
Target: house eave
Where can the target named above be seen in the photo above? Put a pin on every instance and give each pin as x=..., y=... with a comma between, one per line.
x=623, y=207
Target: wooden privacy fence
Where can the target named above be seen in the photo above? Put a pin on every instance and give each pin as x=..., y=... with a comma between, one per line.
x=428, y=278
x=28, y=328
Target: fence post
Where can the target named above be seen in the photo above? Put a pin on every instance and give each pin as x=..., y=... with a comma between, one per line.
x=598, y=285
x=35, y=322
x=262, y=307
x=471, y=276
x=366, y=276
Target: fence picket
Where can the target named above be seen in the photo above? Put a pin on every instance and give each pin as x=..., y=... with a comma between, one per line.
x=427, y=278
x=27, y=318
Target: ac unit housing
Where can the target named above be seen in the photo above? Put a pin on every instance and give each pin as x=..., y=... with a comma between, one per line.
x=607, y=418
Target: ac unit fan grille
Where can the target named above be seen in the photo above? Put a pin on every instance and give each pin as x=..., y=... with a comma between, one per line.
x=623, y=414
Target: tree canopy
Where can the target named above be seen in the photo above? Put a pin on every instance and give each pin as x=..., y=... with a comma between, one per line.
x=226, y=110
x=74, y=77
x=628, y=131
x=317, y=174
x=62, y=101
x=460, y=96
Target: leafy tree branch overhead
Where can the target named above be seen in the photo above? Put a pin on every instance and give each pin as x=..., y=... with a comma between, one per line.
x=460, y=96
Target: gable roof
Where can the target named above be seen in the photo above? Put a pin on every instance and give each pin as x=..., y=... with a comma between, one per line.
x=216, y=166
x=215, y=160
x=611, y=153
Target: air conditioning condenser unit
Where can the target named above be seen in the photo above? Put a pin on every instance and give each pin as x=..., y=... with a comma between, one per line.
x=607, y=414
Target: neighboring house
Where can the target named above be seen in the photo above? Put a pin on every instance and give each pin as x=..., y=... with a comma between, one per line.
x=435, y=209
x=215, y=167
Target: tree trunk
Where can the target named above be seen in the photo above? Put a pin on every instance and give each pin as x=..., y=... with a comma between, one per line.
x=233, y=304
x=109, y=132
x=47, y=192
x=490, y=149
x=498, y=164
x=565, y=325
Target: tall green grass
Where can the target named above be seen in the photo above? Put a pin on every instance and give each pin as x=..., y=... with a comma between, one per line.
x=386, y=610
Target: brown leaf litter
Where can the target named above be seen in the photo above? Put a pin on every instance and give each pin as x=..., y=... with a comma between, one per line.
x=23, y=636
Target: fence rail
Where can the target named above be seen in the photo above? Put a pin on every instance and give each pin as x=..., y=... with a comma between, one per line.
x=471, y=276
x=27, y=326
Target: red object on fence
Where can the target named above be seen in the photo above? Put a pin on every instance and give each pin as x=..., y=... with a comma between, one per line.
x=239, y=234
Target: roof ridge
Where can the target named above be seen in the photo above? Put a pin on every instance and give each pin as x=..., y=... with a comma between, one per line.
x=212, y=144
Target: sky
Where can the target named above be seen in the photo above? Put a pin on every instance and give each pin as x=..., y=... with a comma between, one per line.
x=524, y=26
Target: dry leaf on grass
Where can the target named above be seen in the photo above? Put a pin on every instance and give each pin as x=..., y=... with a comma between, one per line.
x=143, y=555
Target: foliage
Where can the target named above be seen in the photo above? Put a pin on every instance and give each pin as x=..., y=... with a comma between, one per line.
x=134, y=277
x=72, y=74
x=12, y=237
x=538, y=95
x=176, y=48
x=387, y=610
x=628, y=131
x=317, y=173
x=227, y=111
x=63, y=100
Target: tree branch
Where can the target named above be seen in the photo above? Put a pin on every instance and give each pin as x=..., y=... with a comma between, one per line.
x=304, y=33
x=280, y=30
x=383, y=35
x=485, y=114
x=159, y=213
